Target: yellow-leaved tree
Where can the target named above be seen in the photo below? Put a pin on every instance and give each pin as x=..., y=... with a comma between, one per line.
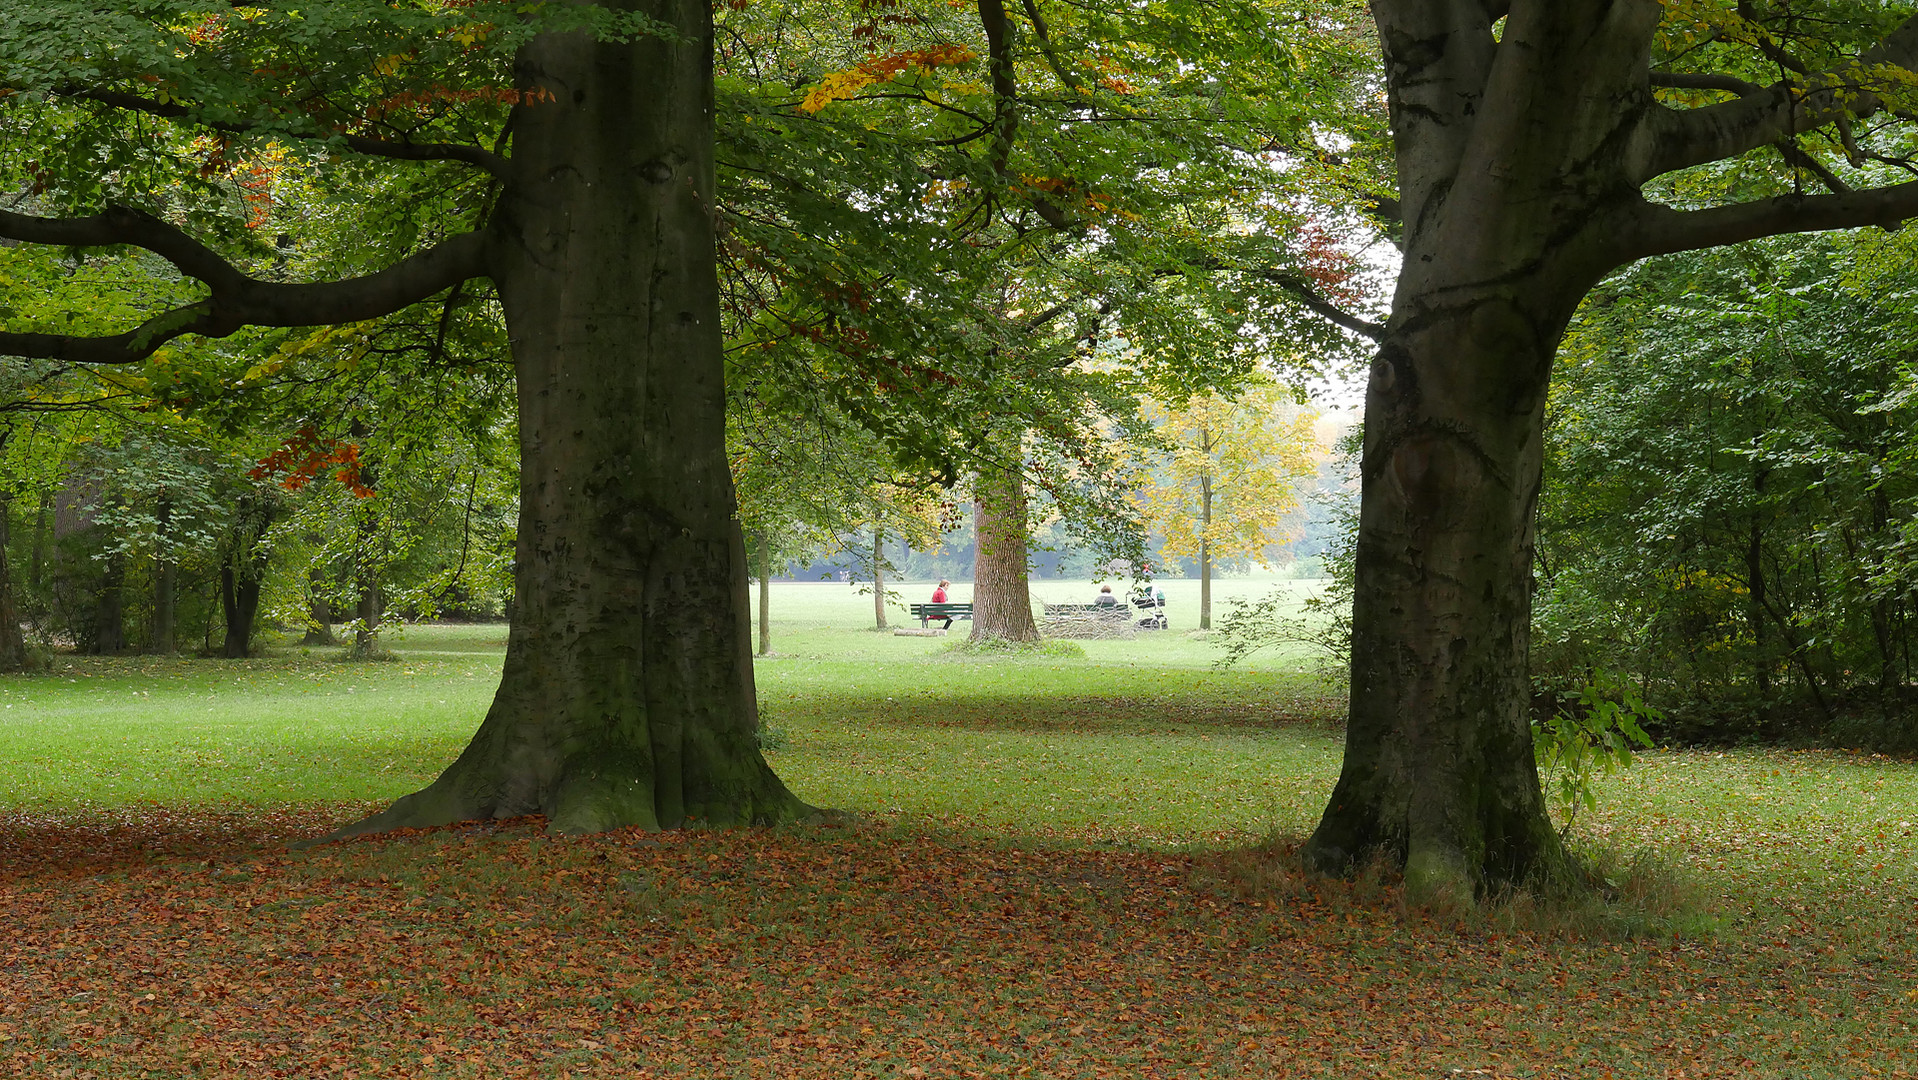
x=1229, y=478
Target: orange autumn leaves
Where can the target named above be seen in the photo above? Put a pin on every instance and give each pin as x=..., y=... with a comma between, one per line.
x=841, y=85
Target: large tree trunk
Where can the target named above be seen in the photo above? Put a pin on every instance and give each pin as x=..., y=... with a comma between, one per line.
x=1001, y=596
x=627, y=696
x=1507, y=198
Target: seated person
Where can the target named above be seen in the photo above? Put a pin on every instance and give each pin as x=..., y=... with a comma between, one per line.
x=939, y=597
x=1106, y=599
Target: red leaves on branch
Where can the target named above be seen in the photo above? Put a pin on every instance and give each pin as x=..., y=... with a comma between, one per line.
x=304, y=454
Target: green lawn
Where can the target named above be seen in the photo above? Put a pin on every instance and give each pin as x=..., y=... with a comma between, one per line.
x=1064, y=866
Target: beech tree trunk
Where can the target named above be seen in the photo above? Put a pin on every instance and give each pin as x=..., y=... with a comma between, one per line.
x=1439, y=770
x=627, y=696
x=1525, y=131
x=1001, y=595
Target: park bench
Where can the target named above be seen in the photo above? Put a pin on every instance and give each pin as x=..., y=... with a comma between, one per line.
x=925, y=613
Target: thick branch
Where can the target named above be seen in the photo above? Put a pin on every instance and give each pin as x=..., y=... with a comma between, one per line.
x=1780, y=111
x=1326, y=309
x=1005, y=102
x=236, y=300
x=359, y=144
x=1661, y=230
x=1683, y=80
x=1799, y=159
x=1045, y=46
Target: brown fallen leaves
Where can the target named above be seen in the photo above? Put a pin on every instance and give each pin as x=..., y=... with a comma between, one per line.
x=168, y=944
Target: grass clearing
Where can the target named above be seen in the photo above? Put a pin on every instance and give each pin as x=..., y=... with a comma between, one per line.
x=1063, y=867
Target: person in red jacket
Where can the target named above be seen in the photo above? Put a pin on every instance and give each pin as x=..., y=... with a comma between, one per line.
x=939, y=597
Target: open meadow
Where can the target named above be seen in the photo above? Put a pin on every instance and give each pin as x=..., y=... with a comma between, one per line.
x=1069, y=864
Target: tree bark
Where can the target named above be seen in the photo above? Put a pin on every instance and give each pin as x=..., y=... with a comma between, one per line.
x=1001, y=594
x=627, y=696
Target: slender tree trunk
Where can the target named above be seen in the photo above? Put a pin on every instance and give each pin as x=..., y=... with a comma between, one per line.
x=109, y=610
x=242, y=575
x=37, y=560
x=627, y=695
x=165, y=586
x=1001, y=594
x=366, y=613
x=1205, y=553
x=879, y=578
x=319, y=611
x=366, y=569
x=1755, y=612
x=765, y=600
x=13, y=647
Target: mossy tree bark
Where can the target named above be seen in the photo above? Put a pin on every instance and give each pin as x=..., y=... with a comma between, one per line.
x=1521, y=155
x=1001, y=594
x=627, y=696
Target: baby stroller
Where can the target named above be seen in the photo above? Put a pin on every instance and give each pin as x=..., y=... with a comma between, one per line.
x=1150, y=601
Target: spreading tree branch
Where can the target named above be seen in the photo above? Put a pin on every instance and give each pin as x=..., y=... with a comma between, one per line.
x=1683, y=138
x=1683, y=80
x=1045, y=46
x=359, y=144
x=1661, y=230
x=235, y=299
x=1317, y=303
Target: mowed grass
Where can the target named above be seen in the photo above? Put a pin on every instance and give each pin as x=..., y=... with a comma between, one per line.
x=1060, y=867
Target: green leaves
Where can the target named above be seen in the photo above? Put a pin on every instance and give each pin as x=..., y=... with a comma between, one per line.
x=1590, y=732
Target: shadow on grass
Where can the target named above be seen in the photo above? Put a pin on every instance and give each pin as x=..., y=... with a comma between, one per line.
x=1606, y=895
x=1088, y=714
